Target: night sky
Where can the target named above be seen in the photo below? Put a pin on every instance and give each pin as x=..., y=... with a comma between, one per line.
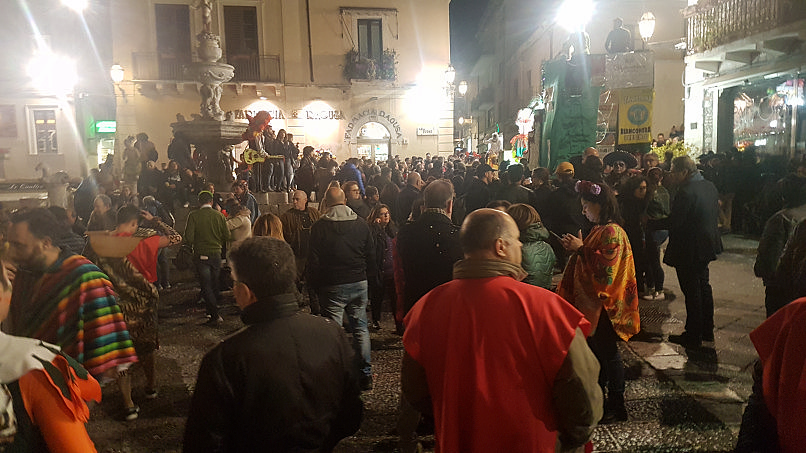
x=465, y=17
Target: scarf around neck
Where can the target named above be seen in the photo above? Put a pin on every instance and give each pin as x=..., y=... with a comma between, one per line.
x=475, y=268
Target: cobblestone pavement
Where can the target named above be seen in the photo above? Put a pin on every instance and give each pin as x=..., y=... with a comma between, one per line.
x=678, y=400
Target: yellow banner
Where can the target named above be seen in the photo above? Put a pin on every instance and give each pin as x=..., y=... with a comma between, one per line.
x=635, y=115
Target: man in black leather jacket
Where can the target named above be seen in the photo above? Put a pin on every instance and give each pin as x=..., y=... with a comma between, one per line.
x=287, y=382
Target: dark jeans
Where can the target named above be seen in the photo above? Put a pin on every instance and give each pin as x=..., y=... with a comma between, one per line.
x=655, y=276
x=208, y=272
x=163, y=275
x=377, y=294
x=278, y=174
x=694, y=282
x=604, y=345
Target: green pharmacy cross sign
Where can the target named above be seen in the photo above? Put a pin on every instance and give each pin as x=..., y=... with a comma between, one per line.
x=106, y=127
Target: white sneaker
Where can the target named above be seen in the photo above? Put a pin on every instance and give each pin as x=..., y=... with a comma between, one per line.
x=660, y=295
x=649, y=296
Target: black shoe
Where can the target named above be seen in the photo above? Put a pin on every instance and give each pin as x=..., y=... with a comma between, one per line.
x=365, y=382
x=685, y=341
x=213, y=321
x=376, y=326
x=614, y=410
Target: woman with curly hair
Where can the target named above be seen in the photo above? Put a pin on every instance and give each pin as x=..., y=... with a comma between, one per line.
x=599, y=280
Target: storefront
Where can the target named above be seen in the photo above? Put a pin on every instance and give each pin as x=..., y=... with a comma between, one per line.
x=768, y=114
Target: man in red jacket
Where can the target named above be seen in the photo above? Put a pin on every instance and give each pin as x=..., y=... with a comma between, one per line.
x=504, y=365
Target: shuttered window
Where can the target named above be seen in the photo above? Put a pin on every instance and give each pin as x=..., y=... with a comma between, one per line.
x=173, y=39
x=370, y=44
x=240, y=30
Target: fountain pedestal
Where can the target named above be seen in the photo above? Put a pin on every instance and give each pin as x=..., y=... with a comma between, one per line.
x=211, y=132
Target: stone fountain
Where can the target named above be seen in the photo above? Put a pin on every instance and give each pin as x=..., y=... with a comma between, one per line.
x=212, y=131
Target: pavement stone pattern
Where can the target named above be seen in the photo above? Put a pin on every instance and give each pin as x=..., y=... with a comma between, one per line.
x=678, y=400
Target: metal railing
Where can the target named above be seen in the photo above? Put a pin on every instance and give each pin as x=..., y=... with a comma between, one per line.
x=255, y=68
x=248, y=68
x=153, y=66
x=712, y=23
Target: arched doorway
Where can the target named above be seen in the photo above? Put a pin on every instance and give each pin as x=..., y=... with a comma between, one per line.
x=374, y=141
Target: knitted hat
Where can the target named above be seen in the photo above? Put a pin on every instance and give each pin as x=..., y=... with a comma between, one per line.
x=565, y=167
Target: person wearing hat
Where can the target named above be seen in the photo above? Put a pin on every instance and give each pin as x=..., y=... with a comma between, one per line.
x=564, y=211
x=479, y=194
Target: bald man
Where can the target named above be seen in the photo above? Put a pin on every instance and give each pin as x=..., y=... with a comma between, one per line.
x=297, y=223
x=472, y=343
x=342, y=253
x=414, y=184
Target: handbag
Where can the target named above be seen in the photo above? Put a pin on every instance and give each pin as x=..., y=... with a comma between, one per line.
x=184, y=257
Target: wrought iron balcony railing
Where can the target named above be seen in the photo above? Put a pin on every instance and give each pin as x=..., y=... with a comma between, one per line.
x=248, y=68
x=712, y=23
x=255, y=68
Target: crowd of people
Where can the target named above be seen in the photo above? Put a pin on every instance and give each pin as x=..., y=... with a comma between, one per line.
x=494, y=277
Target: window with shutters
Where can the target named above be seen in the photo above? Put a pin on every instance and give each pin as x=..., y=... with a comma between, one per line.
x=370, y=43
x=173, y=40
x=241, y=36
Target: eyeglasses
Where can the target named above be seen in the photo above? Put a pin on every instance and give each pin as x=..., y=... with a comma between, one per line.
x=619, y=164
x=641, y=187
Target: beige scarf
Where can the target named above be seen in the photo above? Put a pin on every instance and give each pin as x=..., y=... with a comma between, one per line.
x=470, y=268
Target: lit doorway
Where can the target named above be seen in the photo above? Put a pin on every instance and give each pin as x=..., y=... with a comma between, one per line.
x=374, y=142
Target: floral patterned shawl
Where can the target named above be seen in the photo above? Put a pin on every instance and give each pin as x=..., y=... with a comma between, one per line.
x=602, y=274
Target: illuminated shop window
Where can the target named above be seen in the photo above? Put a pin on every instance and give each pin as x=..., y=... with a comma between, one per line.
x=44, y=131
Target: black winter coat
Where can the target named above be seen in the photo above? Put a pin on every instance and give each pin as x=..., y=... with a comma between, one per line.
x=285, y=383
x=427, y=248
x=693, y=231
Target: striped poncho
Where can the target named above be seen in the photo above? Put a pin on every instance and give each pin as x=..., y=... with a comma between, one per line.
x=72, y=304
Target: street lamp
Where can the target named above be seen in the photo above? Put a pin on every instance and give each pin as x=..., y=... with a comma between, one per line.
x=646, y=26
x=116, y=73
x=450, y=75
x=462, y=88
x=573, y=15
x=52, y=73
x=76, y=5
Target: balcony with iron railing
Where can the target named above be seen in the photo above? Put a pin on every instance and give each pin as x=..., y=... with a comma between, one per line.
x=248, y=68
x=712, y=23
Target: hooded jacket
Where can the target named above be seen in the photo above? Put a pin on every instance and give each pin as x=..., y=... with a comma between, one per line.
x=537, y=256
x=342, y=249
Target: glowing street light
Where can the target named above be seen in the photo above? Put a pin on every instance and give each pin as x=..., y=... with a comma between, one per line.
x=462, y=88
x=116, y=73
x=76, y=5
x=573, y=15
x=52, y=73
x=450, y=75
x=646, y=26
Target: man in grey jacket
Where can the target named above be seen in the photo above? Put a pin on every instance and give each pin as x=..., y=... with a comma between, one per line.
x=342, y=253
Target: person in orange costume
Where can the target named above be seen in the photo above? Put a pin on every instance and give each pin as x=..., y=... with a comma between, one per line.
x=42, y=393
x=599, y=280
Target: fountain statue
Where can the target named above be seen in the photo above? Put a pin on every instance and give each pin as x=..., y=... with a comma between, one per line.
x=213, y=132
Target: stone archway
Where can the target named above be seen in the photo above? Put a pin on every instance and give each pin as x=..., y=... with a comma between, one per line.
x=385, y=119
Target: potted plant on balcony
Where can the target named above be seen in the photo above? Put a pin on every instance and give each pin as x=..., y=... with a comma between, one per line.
x=388, y=69
x=360, y=68
x=357, y=67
